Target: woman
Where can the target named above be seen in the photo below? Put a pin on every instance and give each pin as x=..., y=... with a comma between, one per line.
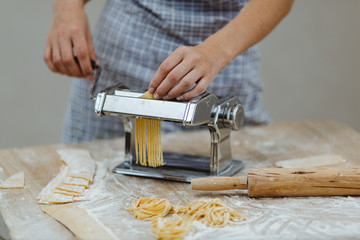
x=164, y=46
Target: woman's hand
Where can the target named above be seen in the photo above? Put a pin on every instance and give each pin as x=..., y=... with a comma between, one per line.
x=200, y=64
x=184, y=67
x=69, y=34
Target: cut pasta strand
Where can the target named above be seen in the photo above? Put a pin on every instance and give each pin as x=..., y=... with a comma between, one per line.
x=171, y=229
x=148, y=140
x=150, y=208
x=212, y=212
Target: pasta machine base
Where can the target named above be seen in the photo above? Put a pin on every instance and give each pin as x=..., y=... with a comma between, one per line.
x=178, y=167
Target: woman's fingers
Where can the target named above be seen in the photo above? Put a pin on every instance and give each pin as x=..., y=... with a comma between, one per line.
x=181, y=70
x=164, y=69
x=196, y=91
x=68, y=58
x=185, y=84
x=48, y=59
x=82, y=53
x=69, y=33
x=57, y=59
x=171, y=79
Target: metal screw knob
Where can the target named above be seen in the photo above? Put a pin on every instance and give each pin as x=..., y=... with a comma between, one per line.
x=233, y=117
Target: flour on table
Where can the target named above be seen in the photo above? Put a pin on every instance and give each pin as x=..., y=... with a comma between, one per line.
x=1, y=174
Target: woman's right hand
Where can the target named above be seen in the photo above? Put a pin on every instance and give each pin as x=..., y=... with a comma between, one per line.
x=70, y=34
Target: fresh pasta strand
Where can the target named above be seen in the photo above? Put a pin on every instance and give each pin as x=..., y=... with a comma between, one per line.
x=140, y=141
x=171, y=229
x=148, y=140
x=150, y=208
x=212, y=212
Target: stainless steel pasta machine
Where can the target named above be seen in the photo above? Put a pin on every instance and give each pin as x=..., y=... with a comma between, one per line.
x=220, y=115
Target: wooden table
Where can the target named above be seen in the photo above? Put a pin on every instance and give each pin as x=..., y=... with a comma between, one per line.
x=258, y=147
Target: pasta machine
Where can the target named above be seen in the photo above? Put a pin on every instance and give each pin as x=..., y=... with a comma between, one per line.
x=221, y=115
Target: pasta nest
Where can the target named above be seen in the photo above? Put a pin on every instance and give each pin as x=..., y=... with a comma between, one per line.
x=212, y=212
x=171, y=228
x=150, y=208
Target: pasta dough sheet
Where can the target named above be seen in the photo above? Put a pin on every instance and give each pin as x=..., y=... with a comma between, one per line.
x=80, y=163
x=311, y=162
x=47, y=195
x=15, y=181
x=80, y=222
x=69, y=185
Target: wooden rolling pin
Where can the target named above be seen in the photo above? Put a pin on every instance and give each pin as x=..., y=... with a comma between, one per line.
x=288, y=182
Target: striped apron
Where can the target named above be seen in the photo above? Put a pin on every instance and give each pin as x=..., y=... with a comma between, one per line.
x=133, y=37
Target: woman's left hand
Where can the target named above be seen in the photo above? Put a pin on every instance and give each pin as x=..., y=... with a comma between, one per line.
x=184, y=67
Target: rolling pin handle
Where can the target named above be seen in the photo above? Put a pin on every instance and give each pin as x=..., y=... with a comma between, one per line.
x=219, y=183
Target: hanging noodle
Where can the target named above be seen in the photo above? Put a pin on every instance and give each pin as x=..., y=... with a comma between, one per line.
x=150, y=208
x=148, y=140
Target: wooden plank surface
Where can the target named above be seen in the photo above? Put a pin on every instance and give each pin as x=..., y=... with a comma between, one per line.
x=258, y=147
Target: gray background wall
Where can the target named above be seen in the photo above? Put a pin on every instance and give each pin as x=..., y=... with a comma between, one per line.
x=310, y=68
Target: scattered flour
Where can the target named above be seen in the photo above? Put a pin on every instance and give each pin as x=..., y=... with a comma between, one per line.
x=267, y=218
x=1, y=174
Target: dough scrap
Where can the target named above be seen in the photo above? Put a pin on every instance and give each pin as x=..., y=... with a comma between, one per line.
x=71, y=188
x=56, y=198
x=15, y=181
x=58, y=191
x=311, y=162
x=80, y=222
x=76, y=181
